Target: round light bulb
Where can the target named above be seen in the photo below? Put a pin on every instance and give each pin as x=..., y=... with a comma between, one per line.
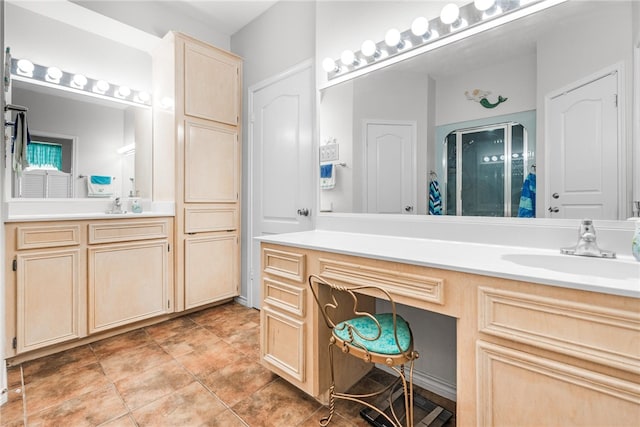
x=124, y=91
x=329, y=65
x=392, y=38
x=494, y=158
x=102, y=86
x=420, y=26
x=25, y=66
x=449, y=14
x=483, y=5
x=79, y=80
x=54, y=74
x=486, y=158
x=144, y=96
x=347, y=57
x=368, y=48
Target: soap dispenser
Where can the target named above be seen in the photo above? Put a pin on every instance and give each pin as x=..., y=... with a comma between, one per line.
x=136, y=207
x=635, y=241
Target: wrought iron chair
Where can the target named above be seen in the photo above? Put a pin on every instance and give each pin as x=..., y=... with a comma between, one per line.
x=383, y=338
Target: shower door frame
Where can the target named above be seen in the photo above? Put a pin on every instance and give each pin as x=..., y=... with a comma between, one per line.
x=507, y=128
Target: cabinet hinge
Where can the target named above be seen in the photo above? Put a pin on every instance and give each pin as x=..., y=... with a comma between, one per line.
x=14, y=343
x=14, y=265
x=168, y=247
x=168, y=304
x=615, y=99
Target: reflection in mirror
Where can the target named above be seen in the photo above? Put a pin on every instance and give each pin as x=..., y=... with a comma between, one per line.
x=92, y=132
x=82, y=137
x=532, y=62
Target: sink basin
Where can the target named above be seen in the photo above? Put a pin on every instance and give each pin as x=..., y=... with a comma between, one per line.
x=584, y=266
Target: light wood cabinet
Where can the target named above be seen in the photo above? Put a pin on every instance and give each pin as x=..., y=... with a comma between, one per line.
x=527, y=354
x=72, y=280
x=198, y=141
x=127, y=283
x=211, y=268
x=48, y=303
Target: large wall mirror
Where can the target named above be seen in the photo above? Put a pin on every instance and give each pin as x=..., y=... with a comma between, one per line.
x=396, y=127
x=77, y=137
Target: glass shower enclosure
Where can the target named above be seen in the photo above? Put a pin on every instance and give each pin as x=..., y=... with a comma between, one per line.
x=485, y=169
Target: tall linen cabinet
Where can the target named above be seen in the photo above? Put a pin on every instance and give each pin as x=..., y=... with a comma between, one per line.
x=197, y=163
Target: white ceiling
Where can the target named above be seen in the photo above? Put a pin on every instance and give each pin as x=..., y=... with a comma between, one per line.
x=230, y=16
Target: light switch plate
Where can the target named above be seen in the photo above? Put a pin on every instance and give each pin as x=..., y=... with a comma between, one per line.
x=329, y=153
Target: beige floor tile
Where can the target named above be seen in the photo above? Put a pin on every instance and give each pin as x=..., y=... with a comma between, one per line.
x=238, y=381
x=90, y=409
x=53, y=390
x=177, y=327
x=208, y=358
x=191, y=340
x=58, y=364
x=134, y=361
x=12, y=411
x=246, y=341
x=193, y=405
x=123, y=421
x=152, y=384
x=278, y=404
x=14, y=376
x=119, y=343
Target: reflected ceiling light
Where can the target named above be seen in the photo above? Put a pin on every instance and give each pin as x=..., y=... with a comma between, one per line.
x=54, y=74
x=348, y=58
x=488, y=8
x=393, y=38
x=79, y=81
x=127, y=149
x=166, y=103
x=123, y=92
x=101, y=87
x=142, y=97
x=420, y=28
x=330, y=66
x=25, y=67
x=450, y=15
x=369, y=49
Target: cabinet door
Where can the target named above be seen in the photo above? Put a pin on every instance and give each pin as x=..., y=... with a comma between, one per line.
x=211, y=163
x=127, y=283
x=211, y=84
x=211, y=270
x=48, y=303
x=283, y=345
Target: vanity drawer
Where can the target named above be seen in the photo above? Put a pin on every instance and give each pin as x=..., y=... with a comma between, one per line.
x=289, y=265
x=596, y=333
x=286, y=297
x=203, y=219
x=47, y=236
x=127, y=231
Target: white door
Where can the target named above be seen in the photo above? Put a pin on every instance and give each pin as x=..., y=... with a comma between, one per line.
x=390, y=167
x=582, y=162
x=281, y=161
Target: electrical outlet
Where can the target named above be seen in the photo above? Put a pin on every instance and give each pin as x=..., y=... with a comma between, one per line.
x=329, y=153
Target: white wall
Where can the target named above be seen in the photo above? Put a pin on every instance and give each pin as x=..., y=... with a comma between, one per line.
x=3, y=369
x=278, y=39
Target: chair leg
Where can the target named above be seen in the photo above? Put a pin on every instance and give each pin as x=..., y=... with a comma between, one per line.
x=324, y=421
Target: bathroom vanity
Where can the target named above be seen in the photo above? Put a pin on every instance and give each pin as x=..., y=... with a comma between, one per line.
x=72, y=279
x=539, y=341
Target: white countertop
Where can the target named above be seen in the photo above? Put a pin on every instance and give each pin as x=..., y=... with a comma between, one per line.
x=619, y=276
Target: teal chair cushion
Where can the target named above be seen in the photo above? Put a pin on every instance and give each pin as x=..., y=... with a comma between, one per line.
x=386, y=344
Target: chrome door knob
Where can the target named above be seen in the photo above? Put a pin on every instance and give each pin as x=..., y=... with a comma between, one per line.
x=555, y=195
x=303, y=212
x=408, y=208
x=553, y=209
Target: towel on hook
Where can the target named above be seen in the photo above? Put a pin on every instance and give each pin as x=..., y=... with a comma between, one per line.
x=527, y=208
x=99, y=186
x=435, y=198
x=21, y=139
x=327, y=176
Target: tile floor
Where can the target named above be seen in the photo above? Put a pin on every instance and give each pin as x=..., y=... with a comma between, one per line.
x=196, y=370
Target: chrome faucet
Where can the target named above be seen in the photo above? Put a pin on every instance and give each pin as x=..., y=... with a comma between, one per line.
x=587, y=245
x=117, y=207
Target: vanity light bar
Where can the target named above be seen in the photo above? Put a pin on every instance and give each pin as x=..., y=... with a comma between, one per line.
x=426, y=35
x=25, y=70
